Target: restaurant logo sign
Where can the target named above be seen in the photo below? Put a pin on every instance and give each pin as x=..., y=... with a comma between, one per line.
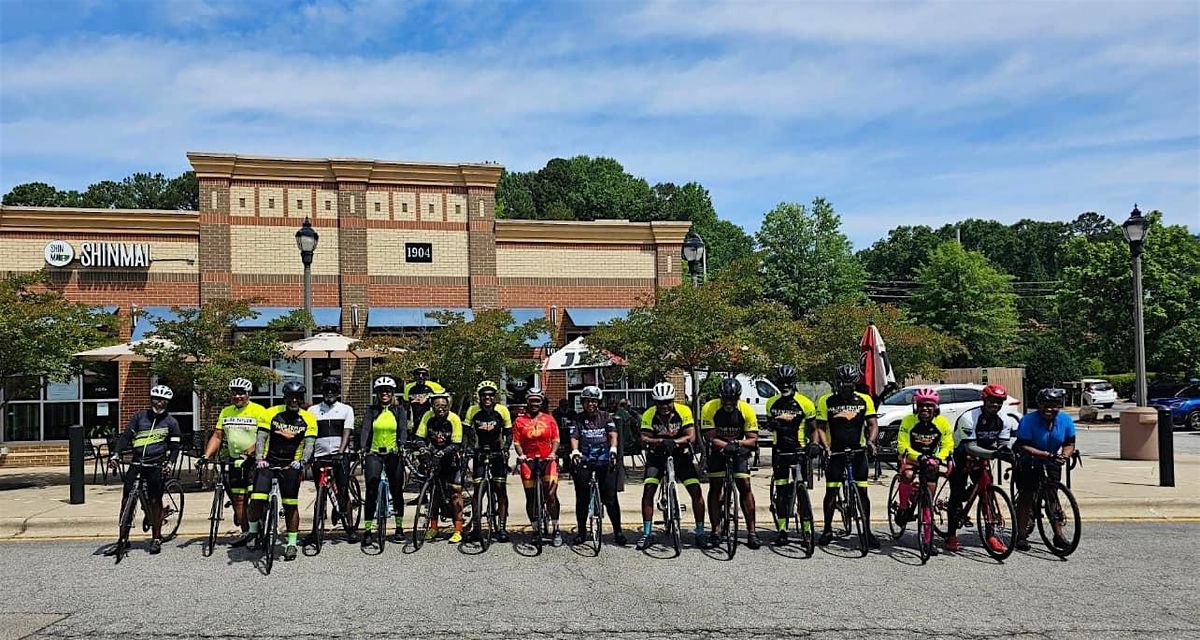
x=60, y=253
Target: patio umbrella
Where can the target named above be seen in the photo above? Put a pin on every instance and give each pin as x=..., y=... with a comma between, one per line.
x=121, y=352
x=876, y=369
x=327, y=345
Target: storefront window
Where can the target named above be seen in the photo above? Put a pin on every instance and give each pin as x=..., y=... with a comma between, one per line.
x=100, y=381
x=614, y=383
x=22, y=422
x=48, y=410
x=58, y=417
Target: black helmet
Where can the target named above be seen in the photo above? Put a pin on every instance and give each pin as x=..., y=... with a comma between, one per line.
x=847, y=374
x=786, y=373
x=1051, y=396
x=730, y=388
x=293, y=388
x=331, y=383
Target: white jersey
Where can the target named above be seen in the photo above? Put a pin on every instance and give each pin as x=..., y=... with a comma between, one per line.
x=968, y=428
x=332, y=420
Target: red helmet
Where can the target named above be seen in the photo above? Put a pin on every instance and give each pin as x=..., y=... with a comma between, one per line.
x=993, y=391
x=927, y=395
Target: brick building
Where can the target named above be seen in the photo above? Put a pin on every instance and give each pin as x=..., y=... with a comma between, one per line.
x=397, y=239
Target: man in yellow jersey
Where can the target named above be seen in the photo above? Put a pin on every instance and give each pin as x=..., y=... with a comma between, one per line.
x=286, y=440
x=791, y=415
x=926, y=432
x=418, y=392
x=731, y=428
x=846, y=419
x=668, y=431
x=442, y=430
x=492, y=425
x=384, y=433
x=237, y=429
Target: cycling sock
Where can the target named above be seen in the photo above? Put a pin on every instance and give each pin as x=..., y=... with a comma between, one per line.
x=399, y=522
x=647, y=527
x=254, y=527
x=458, y=526
x=291, y=538
x=699, y=528
x=368, y=525
x=781, y=523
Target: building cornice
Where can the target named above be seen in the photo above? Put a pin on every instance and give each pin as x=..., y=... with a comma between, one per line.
x=115, y=221
x=594, y=232
x=331, y=170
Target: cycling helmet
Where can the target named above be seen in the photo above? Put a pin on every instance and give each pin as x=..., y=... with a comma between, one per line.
x=293, y=388
x=421, y=366
x=993, y=391
x=535, y=392
x=663, y=391
x=385, y=383
x=847, y=374
x=786, y=373
x=591, y=392
x=439, y=396
x=1051, y=396
x=241, y=383
x=331, y=383
x=162, y=391
x=927, y=395
x=487, y=385
x=730, y=388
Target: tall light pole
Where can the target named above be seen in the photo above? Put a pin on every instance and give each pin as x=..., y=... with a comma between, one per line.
x=306, y=242
x=1135, y=229
x=696, y=256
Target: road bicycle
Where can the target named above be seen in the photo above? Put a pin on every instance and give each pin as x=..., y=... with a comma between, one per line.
x=327, y=487
x=383, y=507
x=219, y=502
x=268, y=528
x=994, y=519
x=1055, y=511
x=799, y=517
x=432, y=501
x=668, y=504
x=541, y=528
x=922, y=505
x=139, y=497
x=730, y=505
x=484, y=513
x=847, y=501
x=595, y=519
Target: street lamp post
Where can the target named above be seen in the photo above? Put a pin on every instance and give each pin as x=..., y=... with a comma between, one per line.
x=1135, y=232
x=696, y=255
x=306, y=242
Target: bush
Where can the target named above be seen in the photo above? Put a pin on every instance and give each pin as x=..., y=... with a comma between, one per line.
x=1093, y=368
x=1126, y=383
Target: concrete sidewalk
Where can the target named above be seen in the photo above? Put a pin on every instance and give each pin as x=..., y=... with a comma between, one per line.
x=34, y=501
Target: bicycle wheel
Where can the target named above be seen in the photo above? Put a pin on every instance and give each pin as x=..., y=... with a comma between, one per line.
x=539, y=527
x=318, y=526
x=214, y=520
x=941, y=510
x=924, y=523
x=172, y=511
x=994, y=519
x=596, y=519
x=485, y=512
x=853, y=514
x=673, y=519
x=1058, y=511
x=804, y=529
x=893, y=508
x=271, y=531
x=128, y=510
x=426, y=503
x=354, y=505
x=731, y=516
x=381, y=515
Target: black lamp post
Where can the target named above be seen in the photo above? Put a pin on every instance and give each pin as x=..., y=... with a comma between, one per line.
x=1135, y=229
x=696, y=255
x=306, y=242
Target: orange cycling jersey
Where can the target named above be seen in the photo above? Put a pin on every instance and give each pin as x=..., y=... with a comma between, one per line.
x=536, y=435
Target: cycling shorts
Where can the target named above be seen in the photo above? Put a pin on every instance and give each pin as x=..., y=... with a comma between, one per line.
x=239, y=476
x=449, y=469
x=717, y=463
x=499, y=469
x=549, y=473
x=835, y=471
x=289, y=486
x=685, y=466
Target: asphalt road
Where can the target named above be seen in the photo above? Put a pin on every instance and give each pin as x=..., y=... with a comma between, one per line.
x=1107, y=441
x=1125, y=580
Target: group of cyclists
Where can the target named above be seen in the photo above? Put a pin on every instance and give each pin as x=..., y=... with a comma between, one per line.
x=262, y=446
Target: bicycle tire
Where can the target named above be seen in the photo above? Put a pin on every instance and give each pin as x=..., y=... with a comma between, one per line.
x=804, y=520
x=485, y=514
x=924, y=524
x=539, y=527
x=381, y=515
x=172, y=509
x=317, y=539
x=893, y=508
x=1046, y=511
x=352, y=520
x=271, y=531
x=994, y=517
x=126, y=523
x=730, y=508
x=425, y=506
x=673, y=519
x=596, y=521
x=941, y=509
x=853, y=514
x=214, y=520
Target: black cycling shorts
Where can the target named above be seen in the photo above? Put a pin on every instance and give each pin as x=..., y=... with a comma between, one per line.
x=289, y=486
x=717, y=462
x=152, y=477
x=685, y=466
x=499, y=468
x=1028, y=474
x=239, y=476
x=835, y=470
x=450, y=470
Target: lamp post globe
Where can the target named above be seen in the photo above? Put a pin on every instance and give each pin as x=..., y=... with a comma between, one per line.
x=306, y=241
x=694, y=253
x=1135, y=229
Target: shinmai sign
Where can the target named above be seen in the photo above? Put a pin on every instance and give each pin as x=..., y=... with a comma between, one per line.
x=60, y=253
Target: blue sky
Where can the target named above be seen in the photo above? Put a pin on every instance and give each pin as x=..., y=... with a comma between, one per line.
x=899, y=113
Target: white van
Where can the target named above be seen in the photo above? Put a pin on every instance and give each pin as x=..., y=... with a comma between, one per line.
x=755, y=391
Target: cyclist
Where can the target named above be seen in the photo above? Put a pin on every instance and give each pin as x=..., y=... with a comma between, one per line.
x=979, y=432
x=535, y=434
x=441, y=429
x=237, y=428
x=285, y=441
x=669, y=430
x=1045, y=441
x=492, y=425
x=791, y=415
x=846, y=419
x=335, y=426
x=594, y=440
x=384, y=433
x=417, y=392
x=925, y=432
x=731, y=428
x=154, y=435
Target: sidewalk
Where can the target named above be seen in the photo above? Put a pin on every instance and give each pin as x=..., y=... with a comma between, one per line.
x=34, y=501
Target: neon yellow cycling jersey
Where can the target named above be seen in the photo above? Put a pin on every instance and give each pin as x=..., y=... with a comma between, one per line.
x=916, y=438
x=240, y=427
x=730, y=425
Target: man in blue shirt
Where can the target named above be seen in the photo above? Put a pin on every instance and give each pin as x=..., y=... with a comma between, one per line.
x=1045, y=440
x=594, y=440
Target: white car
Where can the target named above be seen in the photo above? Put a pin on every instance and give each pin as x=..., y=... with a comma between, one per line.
x=957, y=399
x=1098, y=393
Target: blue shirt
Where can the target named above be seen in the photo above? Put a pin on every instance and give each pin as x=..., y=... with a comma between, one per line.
x=1033, y=430
x=592, y=433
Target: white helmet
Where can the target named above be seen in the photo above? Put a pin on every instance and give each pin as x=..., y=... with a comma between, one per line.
x=663, y=391
x=535, y=392
x=591, y=392
x=162, y=391
x=241, y=383
x=384, y=381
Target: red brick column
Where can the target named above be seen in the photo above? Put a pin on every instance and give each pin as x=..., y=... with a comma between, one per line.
x=352, y=266
x=481, y=248
x=214, y=252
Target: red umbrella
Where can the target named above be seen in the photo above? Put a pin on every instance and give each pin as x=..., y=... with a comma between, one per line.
x=876, y=369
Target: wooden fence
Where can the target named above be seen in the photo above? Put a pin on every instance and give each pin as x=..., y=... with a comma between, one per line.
x=1013, y=378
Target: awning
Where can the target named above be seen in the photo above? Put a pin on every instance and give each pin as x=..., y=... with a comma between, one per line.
x=326, y=345
x=584, y=317
x=383, y=317
x=523, y=315
x=146, y=318
x=323, y=316
x=123, y=352
x=575, y=356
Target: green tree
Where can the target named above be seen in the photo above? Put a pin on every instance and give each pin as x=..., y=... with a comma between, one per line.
x=897, y=257
x=182, y=193
x=108, y=194
x=461, y=353
x=961, y=294
x=1092, y=226
x=514, y=199
x=806, y=260
x=40, y=330
x=197, y=351
x=724, y=243
x=1049, y=360
x=40, y=194
x=836, y=330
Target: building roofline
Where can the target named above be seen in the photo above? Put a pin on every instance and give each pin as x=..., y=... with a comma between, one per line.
x=591, y=232
x=230, y=166
x=89, y=220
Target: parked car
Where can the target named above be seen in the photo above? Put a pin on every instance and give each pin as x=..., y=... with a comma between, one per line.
x=1098, y=393
x=1184, y=406
x=957, y=399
